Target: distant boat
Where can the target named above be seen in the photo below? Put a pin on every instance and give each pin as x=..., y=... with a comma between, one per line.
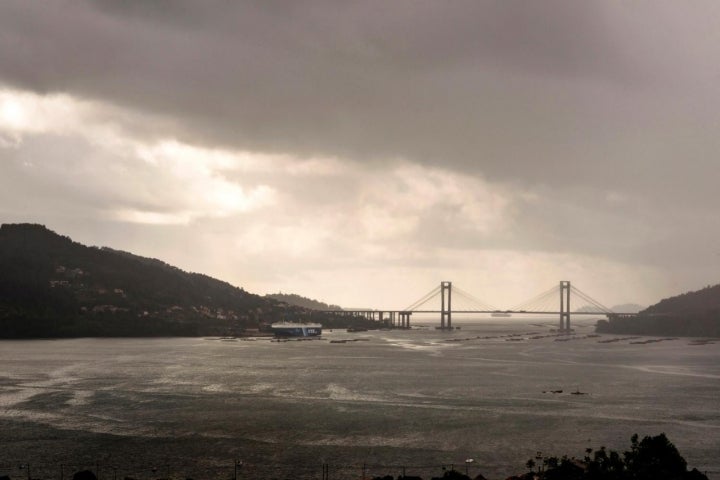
x=501, y=314
x=289, y=329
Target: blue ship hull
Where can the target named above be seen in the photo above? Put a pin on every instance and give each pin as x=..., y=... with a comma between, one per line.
x=296, y=330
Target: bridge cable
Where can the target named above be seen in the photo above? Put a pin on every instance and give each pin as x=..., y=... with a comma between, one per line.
x=590, y=300
x=538, y=300
x=473, y=299
x=423, y=300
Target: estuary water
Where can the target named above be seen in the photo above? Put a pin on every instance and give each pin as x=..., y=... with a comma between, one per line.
x=383, y=402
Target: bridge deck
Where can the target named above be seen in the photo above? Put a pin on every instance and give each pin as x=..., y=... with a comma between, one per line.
x=518, y=312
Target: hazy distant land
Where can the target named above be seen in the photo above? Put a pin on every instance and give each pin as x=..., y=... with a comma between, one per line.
x=300, y=301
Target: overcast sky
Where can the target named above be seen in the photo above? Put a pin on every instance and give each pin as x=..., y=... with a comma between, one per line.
x=361, y=152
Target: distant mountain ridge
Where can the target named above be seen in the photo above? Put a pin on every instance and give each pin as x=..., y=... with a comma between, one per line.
x=51, y=286
x=297, y=300
x=623, y=308
x=689, y=314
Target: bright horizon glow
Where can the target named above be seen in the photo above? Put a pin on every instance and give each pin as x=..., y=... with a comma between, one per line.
x=187, y=185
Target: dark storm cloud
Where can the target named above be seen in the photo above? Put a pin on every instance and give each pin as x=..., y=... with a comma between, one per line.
x=467, y=84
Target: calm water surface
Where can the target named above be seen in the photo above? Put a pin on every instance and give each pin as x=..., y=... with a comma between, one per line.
x=190, y=407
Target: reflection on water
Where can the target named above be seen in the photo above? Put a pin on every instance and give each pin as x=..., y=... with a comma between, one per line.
x=412, y=398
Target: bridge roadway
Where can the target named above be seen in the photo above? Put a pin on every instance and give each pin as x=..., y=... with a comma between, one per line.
x=401, y=318
x=523, y=312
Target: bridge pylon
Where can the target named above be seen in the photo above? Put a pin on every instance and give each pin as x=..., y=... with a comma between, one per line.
x=564, y=305
x=446, y=306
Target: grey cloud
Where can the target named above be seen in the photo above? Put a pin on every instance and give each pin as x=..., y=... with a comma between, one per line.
x=572, y=101
x=469, y=85
x=54, y=176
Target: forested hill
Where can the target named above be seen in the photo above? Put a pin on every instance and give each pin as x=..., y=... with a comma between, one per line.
x=51, y=286
x=689, y=314
x=704, y=300
x=293, y=299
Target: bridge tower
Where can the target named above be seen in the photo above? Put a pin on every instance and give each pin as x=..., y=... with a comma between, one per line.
x=565, y=305
x=446, y=306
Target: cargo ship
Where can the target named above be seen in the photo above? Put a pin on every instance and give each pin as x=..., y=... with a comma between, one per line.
x=289, y=329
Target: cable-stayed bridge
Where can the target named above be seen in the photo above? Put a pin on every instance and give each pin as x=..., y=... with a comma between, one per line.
x=454, y=300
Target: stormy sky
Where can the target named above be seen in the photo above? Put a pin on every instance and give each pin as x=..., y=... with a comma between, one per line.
x=361, y=152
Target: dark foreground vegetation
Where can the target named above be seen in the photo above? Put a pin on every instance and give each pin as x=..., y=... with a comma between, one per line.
x=692, y=314
x=51, y=286
x=652, y=458
x=649, y=458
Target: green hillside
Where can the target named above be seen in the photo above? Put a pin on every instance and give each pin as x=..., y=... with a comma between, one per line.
x=51, y=286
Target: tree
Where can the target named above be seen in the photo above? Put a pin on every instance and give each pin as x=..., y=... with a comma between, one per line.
x=566, y=469
x=654, y=457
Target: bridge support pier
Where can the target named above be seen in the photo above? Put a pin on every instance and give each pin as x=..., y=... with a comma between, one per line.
x=565, y=305
x=404, y=319
x=446, y=306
